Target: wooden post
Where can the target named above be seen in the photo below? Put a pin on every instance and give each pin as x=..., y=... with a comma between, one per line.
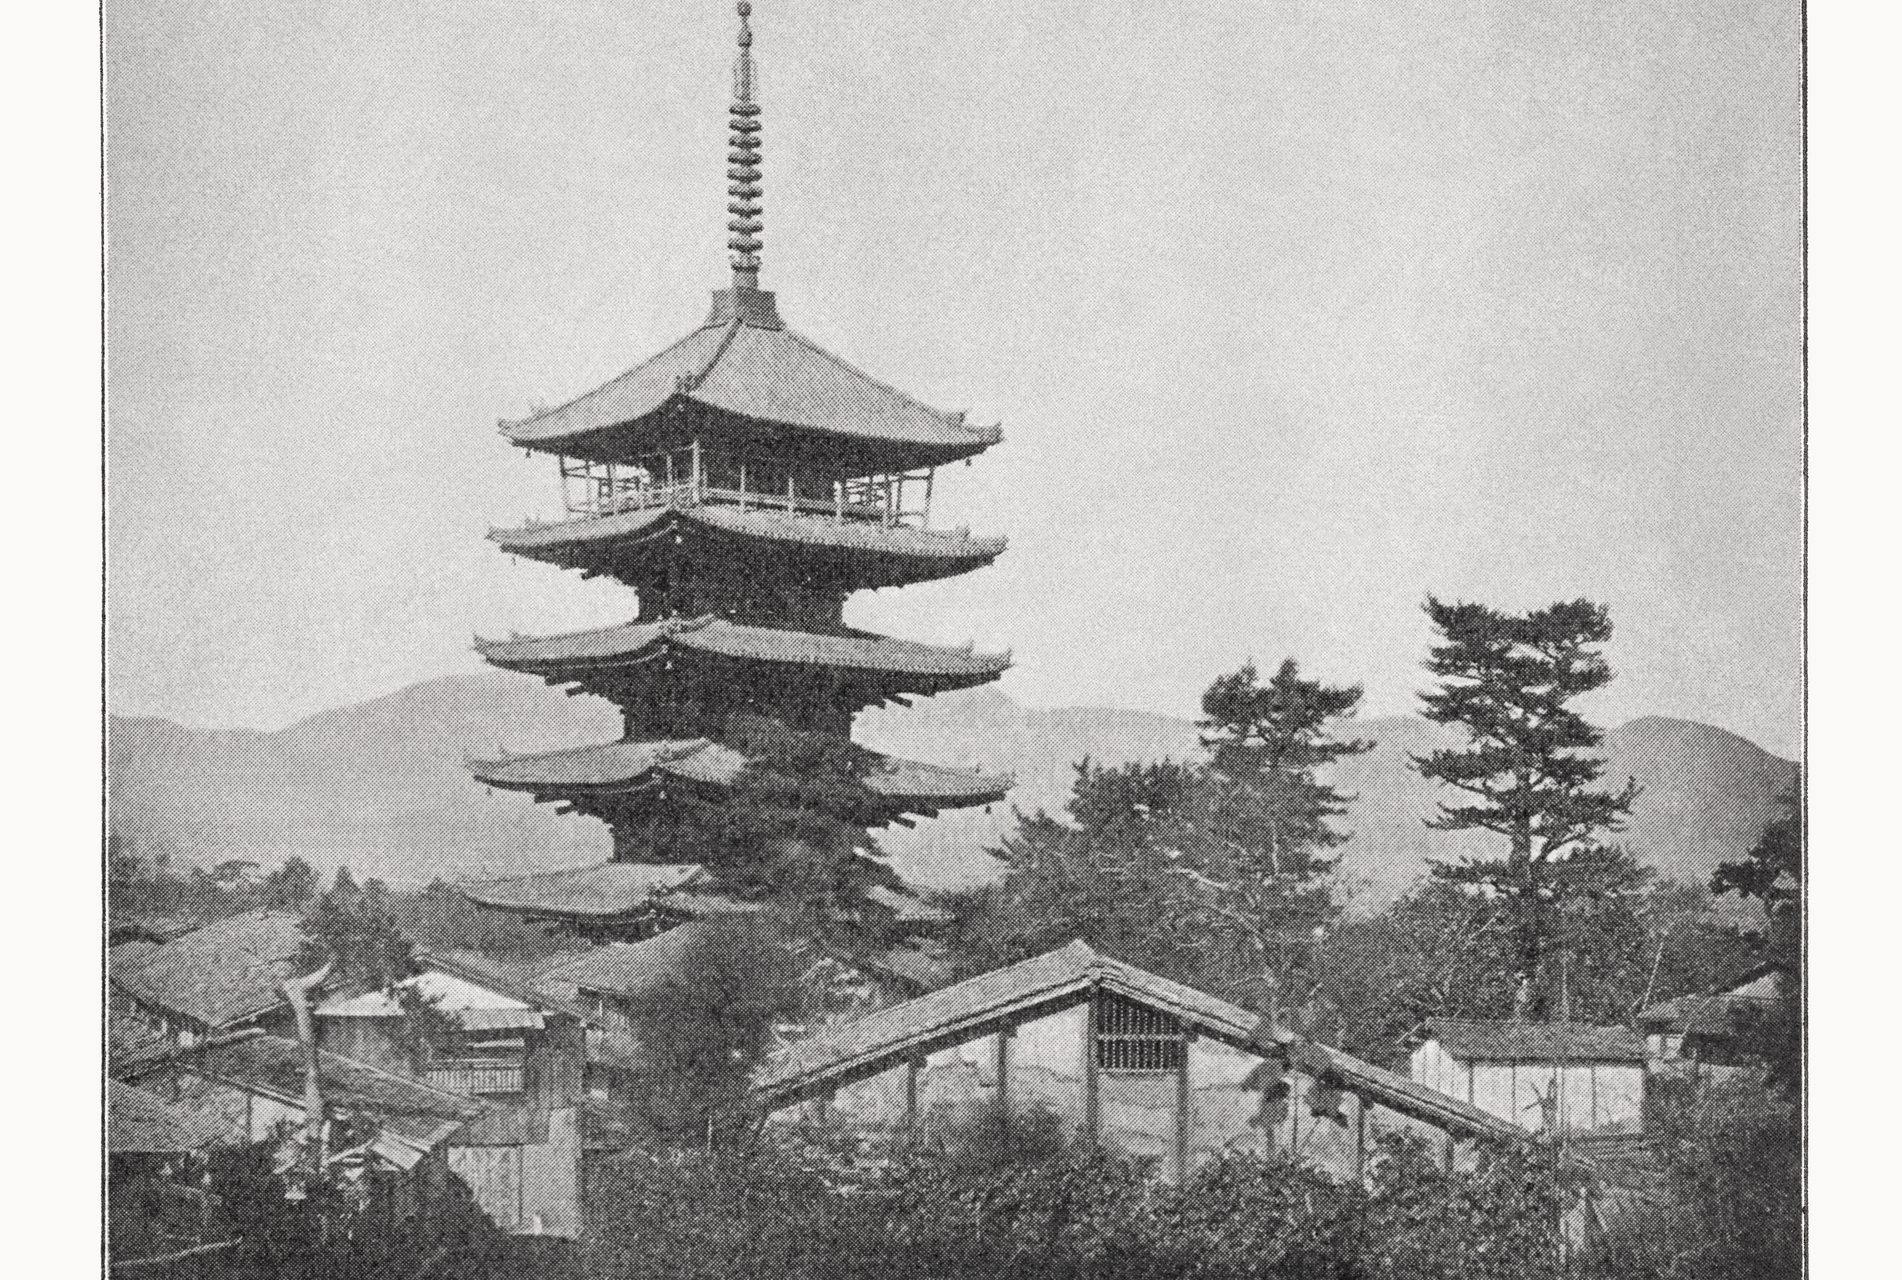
x=792, y=491
x=838, y=502
x=608, y=506
x=1089, y=1068
x=1182, y=1106
x=742, y=486
x=1003, y=1069
x=931, y=476
x=1360, y=1135
x=567, y=503
x=911, y=1089
x=699, y=477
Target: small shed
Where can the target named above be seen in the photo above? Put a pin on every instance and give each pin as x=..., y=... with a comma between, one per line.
x=1571, y=1076
x=1710, y=1033
x=1159, y=1069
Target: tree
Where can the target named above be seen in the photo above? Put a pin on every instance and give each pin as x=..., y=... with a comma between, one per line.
x=792, y=830
x=1526, y=771
x=291, y=886
x=706, y=1026
x=1772, y=874
x=1259, y=860
x=354, y=930
x=1104, y=876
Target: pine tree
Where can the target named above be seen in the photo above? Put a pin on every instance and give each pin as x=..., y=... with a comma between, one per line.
x=1527, y=772
x=1260, y=867
x=1772, y=873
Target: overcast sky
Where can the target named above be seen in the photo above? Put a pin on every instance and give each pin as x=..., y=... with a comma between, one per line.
x=1292, y=313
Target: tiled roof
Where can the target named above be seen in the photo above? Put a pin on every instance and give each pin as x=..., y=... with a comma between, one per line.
x=629, y=642
x=765, y=373
x=141, y=1123
x=891, y=1034
x=630, y=969
x=755, y=522
x=1537, y=1041
x=474, y=1007
x=605, y=890
x=619, y=765
x=221, y=974
x=274, y=1065
x=130, y=1044
x=1391, y=1089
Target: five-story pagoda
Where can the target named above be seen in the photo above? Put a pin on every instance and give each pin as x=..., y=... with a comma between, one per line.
x=744, y=482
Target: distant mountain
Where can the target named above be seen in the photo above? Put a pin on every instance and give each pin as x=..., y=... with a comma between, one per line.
x=380, y=785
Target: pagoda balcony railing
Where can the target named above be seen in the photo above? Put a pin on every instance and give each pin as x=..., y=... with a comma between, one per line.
x=689, y=477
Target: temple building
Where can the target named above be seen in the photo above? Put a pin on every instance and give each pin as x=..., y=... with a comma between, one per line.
x=744, y=482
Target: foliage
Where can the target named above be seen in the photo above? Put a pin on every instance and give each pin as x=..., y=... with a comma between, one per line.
x=1442, y=952
x=1106, y=876
x=316, y=1239
x=1214, y=870
x=1263, y=833
x=1772, y=874
x=1732, y=1207
x=144, y=885
x=792, y=830
x=355, y=930
x=707, y=1025
x=1024, y=1198
x=1526, y=772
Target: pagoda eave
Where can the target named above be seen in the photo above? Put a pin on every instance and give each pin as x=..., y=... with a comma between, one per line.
x=859, y=554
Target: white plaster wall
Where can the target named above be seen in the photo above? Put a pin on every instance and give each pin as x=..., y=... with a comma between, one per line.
x=1620, y=1096
x=1136, y=1112
x=956, y=1081
x=1493, y=1089
x=1222, y=1110
x=874, y=1103
x=1046, y=1063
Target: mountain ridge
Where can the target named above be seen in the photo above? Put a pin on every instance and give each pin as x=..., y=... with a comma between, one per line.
x=379, y=784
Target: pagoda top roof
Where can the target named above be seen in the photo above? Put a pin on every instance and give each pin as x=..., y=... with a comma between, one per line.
x=743, y=361
x=716, y=636
x=758, y=521
x=616, y=766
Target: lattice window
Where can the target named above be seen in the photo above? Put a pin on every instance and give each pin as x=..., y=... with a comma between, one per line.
x=1135, y=1037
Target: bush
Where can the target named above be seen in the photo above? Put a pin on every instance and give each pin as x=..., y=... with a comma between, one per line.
x=1021, y=1198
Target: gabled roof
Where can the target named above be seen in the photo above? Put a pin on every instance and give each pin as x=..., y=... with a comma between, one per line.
x=636, y=641
x=416, y=1114
x=603, y=891
x=1391, y=1089
x=743, y=361
x=623, y=766
x=1536, y=1041
x=224, y=973
x=141, y=1123
x=941, y=1016
x=474, y=1007
x=958, y=550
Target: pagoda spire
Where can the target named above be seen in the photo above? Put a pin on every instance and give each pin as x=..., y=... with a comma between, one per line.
x=743, y=171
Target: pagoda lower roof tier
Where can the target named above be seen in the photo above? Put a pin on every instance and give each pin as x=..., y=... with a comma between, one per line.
x=605, y=891
x=745, y=376
x=609, y=650
x=587, y=776
x=859, y=553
